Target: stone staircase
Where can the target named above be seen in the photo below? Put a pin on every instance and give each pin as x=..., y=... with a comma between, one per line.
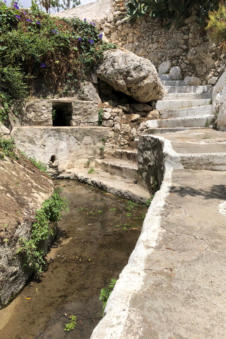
x=116, y=173
x=183, y=107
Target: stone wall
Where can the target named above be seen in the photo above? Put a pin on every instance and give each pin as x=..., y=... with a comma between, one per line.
x=62, y=148
x=151, y=161
x=187, y=46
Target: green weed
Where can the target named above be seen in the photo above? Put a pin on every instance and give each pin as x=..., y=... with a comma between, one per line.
x=31, y=250
x=70, y=326
x=106, y=291
x=42, y=167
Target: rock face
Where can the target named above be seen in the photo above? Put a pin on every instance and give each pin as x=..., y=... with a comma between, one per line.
x=4, y=131
x=164, y=67
x=130, y=74
x=22, y=191
x=37, y=113
x=88, y=92
x=219, y=102
x=84, y=113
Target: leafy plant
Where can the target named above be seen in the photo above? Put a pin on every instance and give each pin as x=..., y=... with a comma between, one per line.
x=7, y=147
x=71, y=324
x=216, y=27
x=106, y=291
x=31, y=250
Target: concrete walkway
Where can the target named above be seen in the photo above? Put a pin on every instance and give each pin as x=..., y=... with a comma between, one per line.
x=174, y=284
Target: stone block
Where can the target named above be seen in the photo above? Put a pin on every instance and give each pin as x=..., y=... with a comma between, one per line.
x=85, y=113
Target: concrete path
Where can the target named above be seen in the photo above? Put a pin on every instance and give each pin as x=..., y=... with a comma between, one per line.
x=174, y=284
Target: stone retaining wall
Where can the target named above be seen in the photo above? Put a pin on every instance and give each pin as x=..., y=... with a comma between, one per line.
x=187, y=46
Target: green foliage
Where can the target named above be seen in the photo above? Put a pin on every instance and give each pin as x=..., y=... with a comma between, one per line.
x=91, y=170
x=7, y=148
x=32, y=250
x=71, y=324
x=170, y=10
x=106, y=291
x=217, y=25
x=100, y=116
x=42, y=167
x=42, y=54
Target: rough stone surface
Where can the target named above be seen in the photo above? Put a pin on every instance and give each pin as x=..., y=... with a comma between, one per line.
x=4, y=131
x=219, y=102
x=88, y=92
x=192, y=81
x=85, y=113
x=71, y=146
x=130, y=74
x=164, y=67
x=175, y=73
x=37, y=113
x=22, y=191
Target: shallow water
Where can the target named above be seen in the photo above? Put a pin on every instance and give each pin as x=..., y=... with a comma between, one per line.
x=99, y=233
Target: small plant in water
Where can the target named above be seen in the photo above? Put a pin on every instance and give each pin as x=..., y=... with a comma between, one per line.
x=70, y=326
x=106, y=291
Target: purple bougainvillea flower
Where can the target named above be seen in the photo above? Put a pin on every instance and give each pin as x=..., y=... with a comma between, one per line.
x=85, y=20
x=79, y=39
x=28, y=20
x=15, y=5
x=100, y=36
x=93, y=24
x=43, y=65
x=18, y=17
x=38, y=23
x=91, y=41
x=55, y=31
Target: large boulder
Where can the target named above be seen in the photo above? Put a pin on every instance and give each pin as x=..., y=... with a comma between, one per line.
x=219, y=102
x=133, y=75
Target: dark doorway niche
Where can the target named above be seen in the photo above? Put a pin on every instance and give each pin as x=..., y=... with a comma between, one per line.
x=62, y=113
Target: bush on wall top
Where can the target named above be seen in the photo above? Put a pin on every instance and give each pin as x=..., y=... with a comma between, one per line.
x=170, y=10
x=43, y=54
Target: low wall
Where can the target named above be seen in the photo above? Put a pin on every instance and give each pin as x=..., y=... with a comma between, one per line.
x=65, y=147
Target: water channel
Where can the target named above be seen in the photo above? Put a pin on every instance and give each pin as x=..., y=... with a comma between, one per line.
x=98, y=233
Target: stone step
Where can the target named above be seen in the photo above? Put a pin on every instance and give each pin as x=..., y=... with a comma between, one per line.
x=189, y=89
x=130, y=155
x=173, y=82
x=177, y=104
x=119, y=167
x=204, y=161
x=203, y=121
x=172, y=130
x=186, y=96
x=187, y=112
x=117, y=185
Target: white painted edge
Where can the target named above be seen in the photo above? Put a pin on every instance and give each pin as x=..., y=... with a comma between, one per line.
x=132, y=277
